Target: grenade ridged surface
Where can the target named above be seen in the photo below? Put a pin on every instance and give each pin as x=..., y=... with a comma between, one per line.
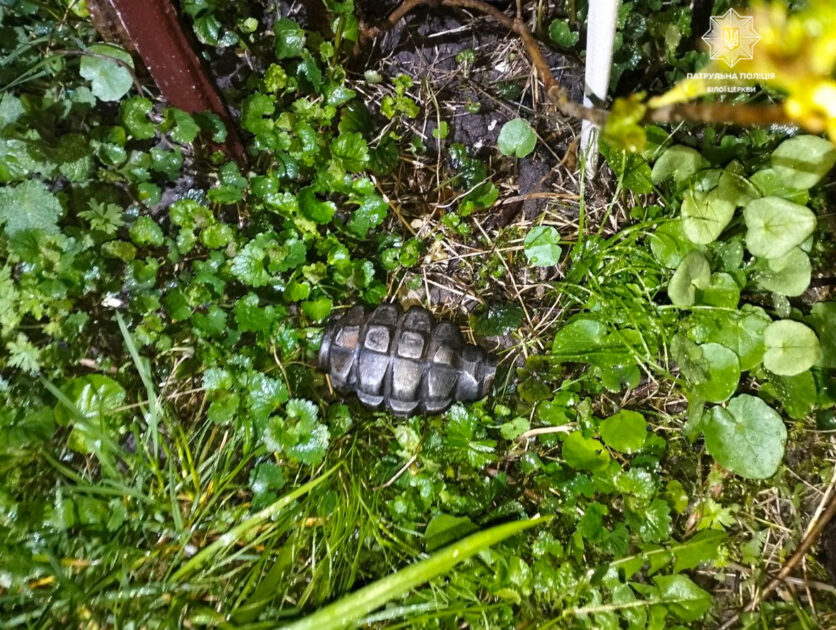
x=403, y=361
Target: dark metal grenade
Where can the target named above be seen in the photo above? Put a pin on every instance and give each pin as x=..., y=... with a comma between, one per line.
x=403, y=361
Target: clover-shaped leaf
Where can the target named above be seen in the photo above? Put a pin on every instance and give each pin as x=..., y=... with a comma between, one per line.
x=802, y=161
x=704, y=217
x=747, y=437
x=541, y=246
x=734, y=187
x=791, y=347
x=693, y=273
x=562, y=34
x=723, y=373
x=679, y=162
x=775, y=225
x=299, y=435
x=788, y=275
x=516, y=138
x=625, y=431
x=104, y=67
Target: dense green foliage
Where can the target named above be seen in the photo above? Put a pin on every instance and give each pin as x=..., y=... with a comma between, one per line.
x=170, y=456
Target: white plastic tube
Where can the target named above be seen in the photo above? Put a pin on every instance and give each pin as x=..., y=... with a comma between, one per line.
x=600, y=35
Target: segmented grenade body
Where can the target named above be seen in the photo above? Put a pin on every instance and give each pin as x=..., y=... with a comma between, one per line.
x=403, y=361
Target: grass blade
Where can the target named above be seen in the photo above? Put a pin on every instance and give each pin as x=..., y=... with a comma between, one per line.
x=350, y=608
x=240, y=530
x=147, y=380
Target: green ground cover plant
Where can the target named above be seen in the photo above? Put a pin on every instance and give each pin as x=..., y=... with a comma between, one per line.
x=171, y=457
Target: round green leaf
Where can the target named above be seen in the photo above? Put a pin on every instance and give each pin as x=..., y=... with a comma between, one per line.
x=562, y=34
x=791, y=347
x=145, y=231
x=797, y=393
x=826, y=420
x=217, y=235
x=788, y=275
x=369, y=214
x=722, y=291
x=182, y=127
x=670, y=245
x=516, y=138
x=541, y=246
x=582, y=453
x=513, y=429
x=297, y=291
x=579, y=337
x=94, y=396
x=498, y=318
x=727, y=255
x=747, y=437
x=134, y=116
x=444, y=529
x=802, y=161
x=743, y=333
x=775, y=226
x=705, y=217
x=352, y=150
x=723, y=373
x=684, y=599
x=109, y=79
x=823, y=320
x=290, y=39
x=318, y=309
x=210, y=31
x=693, y=273
x=314, y=208
x=734, y=187
x=769, y=184
x=625, y=431
x=679, y=162
x=705, y=181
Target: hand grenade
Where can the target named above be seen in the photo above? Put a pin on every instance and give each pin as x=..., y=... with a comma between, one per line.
x=405, y=362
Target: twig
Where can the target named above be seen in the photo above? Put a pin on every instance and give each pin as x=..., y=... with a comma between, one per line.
x=744, y=115
x=809, y=539
x=92, y=364
x=792, y=581
x=397, y=475
x=563, y=428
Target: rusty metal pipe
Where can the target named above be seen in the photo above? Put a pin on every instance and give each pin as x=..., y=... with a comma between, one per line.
x=153, y=30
